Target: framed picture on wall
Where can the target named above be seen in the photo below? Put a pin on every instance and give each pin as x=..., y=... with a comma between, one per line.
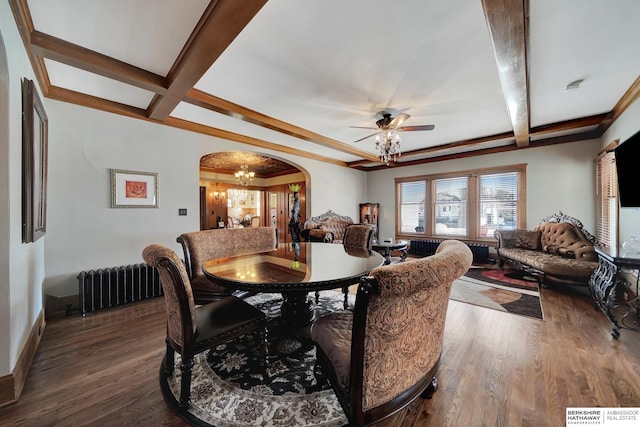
x=130, y=189
x=35, y=139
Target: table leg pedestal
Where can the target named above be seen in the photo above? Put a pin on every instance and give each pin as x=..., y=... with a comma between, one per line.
x=297, y=308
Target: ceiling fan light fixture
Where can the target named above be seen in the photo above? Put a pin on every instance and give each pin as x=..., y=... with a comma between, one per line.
x=387, y=138
x=388, y=146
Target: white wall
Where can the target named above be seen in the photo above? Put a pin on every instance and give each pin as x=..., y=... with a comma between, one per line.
x=84, y=232
x=22, y=273
x=559, y=177
x=626, y=125
x=5, y=319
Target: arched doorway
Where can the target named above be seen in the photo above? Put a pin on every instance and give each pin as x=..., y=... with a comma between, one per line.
x=225, y=201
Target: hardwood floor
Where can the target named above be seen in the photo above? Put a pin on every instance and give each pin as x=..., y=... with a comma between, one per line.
x=497, y=369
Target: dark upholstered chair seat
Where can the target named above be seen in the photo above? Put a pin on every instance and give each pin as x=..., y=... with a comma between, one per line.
x=217, y=321
x=333, y=334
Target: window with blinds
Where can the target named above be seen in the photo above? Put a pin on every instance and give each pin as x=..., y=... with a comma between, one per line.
x=412, y=198
x=499, y=198
x=450, y=208
x=469, y=204
x=606, y=200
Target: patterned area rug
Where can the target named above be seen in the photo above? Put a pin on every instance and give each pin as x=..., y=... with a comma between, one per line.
x=230, y=388
x=499, y=289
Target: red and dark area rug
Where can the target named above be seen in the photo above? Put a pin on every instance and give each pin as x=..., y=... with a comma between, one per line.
x=499, y=289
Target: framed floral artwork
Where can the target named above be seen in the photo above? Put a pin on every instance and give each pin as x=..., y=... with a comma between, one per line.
x=131, y=189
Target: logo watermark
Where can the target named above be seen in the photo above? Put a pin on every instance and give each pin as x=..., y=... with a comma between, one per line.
x=611, y=417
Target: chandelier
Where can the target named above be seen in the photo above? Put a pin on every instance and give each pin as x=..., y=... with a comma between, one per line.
x=243, y=176
x=388, y=144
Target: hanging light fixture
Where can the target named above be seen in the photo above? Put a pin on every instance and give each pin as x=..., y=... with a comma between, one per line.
x=244, y=176
x=388, y=145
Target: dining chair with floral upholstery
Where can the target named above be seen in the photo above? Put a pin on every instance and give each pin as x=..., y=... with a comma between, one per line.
x=384, y=354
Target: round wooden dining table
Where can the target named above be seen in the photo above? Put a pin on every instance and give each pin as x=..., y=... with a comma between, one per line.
x=294, y=270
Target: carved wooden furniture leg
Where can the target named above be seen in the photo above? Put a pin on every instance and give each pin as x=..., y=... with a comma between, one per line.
x=433, y=387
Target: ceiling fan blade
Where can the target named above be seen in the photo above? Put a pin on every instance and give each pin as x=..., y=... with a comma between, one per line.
x=368, y=136
x=399, y=119
x=414, y=128
x=362, y=127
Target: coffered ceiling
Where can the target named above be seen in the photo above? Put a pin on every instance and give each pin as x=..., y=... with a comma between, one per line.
x=295, y=76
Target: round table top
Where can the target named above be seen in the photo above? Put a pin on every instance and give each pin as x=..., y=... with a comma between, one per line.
x=305, y=266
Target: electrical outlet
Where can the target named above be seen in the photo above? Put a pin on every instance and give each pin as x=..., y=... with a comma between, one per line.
x=182, y=212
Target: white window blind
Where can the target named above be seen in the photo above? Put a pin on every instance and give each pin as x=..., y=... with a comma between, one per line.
x=412, y=196
x=498, y=202
x=606, y=200
x=451, y=206
x=470, y=204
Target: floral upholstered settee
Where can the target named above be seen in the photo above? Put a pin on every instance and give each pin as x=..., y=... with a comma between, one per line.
x=558, y=249
x=328, y=227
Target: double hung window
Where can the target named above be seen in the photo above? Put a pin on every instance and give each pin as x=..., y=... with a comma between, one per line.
x=467, y=204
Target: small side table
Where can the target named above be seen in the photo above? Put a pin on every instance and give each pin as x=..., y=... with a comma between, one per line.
x=385, y=249
x=613, y=294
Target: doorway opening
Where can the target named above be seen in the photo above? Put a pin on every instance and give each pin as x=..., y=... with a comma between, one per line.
x=265, y=199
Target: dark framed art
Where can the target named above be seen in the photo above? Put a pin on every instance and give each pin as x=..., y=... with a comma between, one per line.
x=35, y=134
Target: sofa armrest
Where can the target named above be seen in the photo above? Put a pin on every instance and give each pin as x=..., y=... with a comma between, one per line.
x=320, y=235
x=504, y=238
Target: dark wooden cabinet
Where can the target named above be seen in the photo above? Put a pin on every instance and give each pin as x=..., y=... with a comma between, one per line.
x=369, y=215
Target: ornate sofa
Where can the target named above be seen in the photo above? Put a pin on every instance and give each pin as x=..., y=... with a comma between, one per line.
x=328, y=227
x=558, y=250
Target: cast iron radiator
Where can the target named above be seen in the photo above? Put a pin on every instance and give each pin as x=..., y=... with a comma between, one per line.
x=110, y=287
x=428, y=247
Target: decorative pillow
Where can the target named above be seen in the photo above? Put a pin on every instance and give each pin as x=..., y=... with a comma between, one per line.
x=526, y=239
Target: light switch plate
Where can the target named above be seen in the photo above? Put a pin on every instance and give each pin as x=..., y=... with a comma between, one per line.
x=182, y=212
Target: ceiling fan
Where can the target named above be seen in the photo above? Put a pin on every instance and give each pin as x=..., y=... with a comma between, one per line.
x=388, y=122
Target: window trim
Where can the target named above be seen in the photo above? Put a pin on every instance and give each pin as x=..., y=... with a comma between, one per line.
x=473, y=201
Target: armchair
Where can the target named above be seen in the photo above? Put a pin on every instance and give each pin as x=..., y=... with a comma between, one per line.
x=378, y=360
x=356, y=237
x=192, y=330
x=359, y=235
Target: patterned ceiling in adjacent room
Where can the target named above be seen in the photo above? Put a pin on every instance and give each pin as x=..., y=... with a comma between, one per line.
x=230, y=162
